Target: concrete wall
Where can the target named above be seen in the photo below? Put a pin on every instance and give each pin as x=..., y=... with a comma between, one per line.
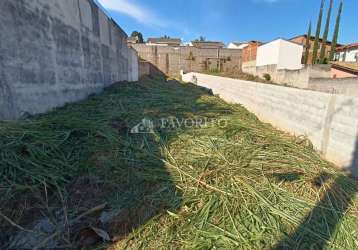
x=170, y=60
x=53, y=52
x=295, y=78
x=284, y=54
x=338, y=73
x=330, y=121
x=345, y=86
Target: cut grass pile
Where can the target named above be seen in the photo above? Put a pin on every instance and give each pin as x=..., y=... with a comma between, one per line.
x=243, y=185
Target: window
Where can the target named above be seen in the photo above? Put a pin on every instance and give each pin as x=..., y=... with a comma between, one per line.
x=337, y=56
x=356, y=56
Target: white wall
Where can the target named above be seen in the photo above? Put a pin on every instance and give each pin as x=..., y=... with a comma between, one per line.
x=268, y=54
x=290, y=55
x=234, y=46
x=284, y=54
x=329, y=121
x=350, y=55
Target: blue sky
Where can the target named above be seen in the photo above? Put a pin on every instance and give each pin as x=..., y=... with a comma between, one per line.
x=228, y=20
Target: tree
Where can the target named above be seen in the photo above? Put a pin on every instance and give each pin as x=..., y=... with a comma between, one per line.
x=322, y=57
x=308, y=39
x=200, y=39
x=318, y=33
x=336, y=32
x=138, y=35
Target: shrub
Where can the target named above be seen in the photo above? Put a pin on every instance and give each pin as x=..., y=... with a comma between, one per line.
x=267, y=77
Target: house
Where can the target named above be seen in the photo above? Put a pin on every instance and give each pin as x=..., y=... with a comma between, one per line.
x=282, y=53
x=236, y=45
x=302, y=40
x=348, y=53
x=249, y=52
x=163, y=41
x=344, y=69
x=207, y=44
x=132, y=40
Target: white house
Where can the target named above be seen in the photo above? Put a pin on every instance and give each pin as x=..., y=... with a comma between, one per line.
x=348, y=53
x=235, y=45
x=280, y=52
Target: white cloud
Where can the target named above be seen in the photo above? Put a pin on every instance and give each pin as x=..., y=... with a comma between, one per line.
x=134, y=10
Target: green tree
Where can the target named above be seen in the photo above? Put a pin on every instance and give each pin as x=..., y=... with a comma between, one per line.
x=308, y=39
x=336, y=32
x=318, y=33
x=138, y=35
x=322, y=58
x=200, y=39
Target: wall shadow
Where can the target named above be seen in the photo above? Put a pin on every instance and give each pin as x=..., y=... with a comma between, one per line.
x=354, y=168
x=317, y=227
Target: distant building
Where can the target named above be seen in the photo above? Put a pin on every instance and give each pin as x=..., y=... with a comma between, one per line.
x=250, y=51
x=344, y=69
x=207, y=44
x=175, y=42
x=282, y=53
x=302, y=40
x=348, y=53
x=236, y=45
x=132, y=40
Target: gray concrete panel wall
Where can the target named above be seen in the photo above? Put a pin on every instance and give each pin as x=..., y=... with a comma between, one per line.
x=345, y=86
x=170, y=60
x=330, y=121
x=295, y=78
x=54, y=52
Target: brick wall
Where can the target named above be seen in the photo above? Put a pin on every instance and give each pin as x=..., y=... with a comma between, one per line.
x=302, y=40
x=249, y=53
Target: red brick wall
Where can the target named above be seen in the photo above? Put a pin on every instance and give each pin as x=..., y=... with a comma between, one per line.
x=249, y=53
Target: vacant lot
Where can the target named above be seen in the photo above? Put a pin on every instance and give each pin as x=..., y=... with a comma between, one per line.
x=77, y=177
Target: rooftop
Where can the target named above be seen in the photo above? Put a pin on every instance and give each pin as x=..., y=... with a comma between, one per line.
x=351, y=66
x=203, y=44
x=163, y=40
x=239, y=43
x=349, y=46
x=312, y=38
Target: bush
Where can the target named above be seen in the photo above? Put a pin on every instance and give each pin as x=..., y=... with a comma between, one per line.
x=267, y=77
